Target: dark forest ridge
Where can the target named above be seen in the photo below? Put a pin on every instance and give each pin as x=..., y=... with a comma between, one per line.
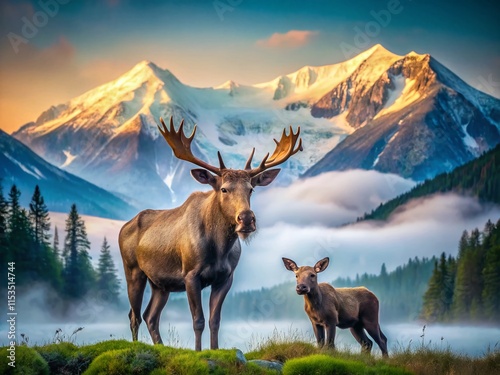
x=478, y=178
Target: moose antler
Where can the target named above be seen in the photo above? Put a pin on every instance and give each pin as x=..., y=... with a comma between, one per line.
x=181, y=146
x=284, y=149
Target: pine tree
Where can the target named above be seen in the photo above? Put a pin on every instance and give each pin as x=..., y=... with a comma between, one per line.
x=438, y=297
x=476, y=266
x=4, y=216
x=107, y=285
x=491, y=273
x=55, y=244
x=20, y=240
x=463, y=293
x=78, y=274
x=40, y=222
x=384, y=277
x=39, y=216
x=449, y=285
x=431, y=307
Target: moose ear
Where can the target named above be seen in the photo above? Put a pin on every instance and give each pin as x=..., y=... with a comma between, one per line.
x=321, y=265
x=204, y=177
x=265, y=178
x=290, y=264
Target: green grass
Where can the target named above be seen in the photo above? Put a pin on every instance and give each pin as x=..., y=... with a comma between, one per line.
x=298, y=355
x=321, y=364
x=27, y=362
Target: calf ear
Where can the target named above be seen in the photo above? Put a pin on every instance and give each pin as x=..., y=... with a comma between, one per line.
x=204, y=177
x=321, y=265
x=290, y=264
x=265, y=178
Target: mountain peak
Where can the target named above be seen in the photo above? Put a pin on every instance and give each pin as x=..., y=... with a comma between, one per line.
x=146, y=67
x=230, y=84
x=377, y=50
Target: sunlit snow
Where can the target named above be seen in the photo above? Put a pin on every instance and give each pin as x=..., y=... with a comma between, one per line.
x=69, y=158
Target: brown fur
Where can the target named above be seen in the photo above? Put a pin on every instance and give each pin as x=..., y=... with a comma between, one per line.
x=329, y=307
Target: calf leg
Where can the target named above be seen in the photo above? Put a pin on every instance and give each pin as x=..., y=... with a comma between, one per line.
x=319, y=332
x=330, y=335
x=375, y=332
x=136, y=282
x=359, y=334
x=153, y=312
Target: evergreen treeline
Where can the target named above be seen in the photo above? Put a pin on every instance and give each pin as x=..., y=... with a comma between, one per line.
x=479, y=178
x=25, y=240
x=468, y=287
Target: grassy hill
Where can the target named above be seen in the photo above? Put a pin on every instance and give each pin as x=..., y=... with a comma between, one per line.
x=287, y=357
x=478, y=178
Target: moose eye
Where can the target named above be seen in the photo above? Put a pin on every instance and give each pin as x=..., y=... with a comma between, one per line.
x=224, y=190
x=313, y=276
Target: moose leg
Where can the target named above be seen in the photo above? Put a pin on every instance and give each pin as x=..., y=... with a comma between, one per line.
x=193, y=289
x=217, y=297
x=153, y=312
x=361, y=337
x=136, y=282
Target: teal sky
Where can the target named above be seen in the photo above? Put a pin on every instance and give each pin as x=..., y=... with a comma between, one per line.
x=82, y=44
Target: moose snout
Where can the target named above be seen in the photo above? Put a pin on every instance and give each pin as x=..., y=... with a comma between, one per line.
x=246, y=219
x=302, y=289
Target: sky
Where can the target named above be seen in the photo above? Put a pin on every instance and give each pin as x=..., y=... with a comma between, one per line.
x=54, y=50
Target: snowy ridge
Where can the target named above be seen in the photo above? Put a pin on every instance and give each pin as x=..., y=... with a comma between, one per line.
x=109, y=134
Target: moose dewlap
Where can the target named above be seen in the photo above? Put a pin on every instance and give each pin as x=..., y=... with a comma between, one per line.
x=329, y=307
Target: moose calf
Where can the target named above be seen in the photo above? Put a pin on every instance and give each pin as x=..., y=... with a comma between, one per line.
x=329, y=307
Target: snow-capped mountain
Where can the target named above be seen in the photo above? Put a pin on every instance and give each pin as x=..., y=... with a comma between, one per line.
x=412, y=116
x=22, y=167
x=109, y=135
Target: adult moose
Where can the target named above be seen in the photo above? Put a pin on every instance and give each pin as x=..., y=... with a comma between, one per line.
x=195, y=245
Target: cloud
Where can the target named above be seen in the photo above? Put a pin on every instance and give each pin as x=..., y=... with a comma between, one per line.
x=290, y=39
x=423, y=228
x=330, y=199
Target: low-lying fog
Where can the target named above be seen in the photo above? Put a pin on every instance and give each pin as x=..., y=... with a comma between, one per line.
x=246, y=335
x=303, y=222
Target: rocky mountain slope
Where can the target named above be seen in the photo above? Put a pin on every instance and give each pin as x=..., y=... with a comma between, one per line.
x=414, y=118
x=478, y=178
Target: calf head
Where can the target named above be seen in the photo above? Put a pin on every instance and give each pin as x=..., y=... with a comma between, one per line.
x=306, y=275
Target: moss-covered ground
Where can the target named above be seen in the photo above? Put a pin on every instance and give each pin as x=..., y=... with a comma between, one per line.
x=122, y=357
